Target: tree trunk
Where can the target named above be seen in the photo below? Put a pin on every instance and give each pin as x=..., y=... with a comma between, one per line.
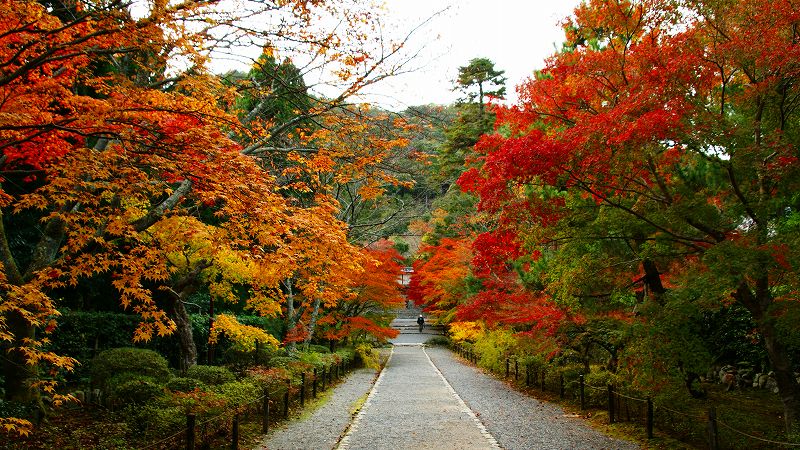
x=291, y=319
x=784, y=376
x=758, y=304
x=313, y=322
x=183, y=332
x=18, y=374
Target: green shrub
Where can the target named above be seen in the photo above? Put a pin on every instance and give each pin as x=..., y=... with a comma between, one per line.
x=314, y=360
x=210, y=375
x=281, y=361
x=493, y=348
x=318, y=348
x=346, y=354
x=117, y=361
x=9, y=408
x=240, y=360
x=438, y=340
x=596, y=383
x=367, y=356
x=125, y=377
x=154, y=420
x=238, y=393
x=136, y=392
x=185, y=384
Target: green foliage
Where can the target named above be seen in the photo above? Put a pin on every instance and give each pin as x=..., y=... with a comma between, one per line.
x=239, y=393
x=283, y=362
x=318, y=348
x=367, y=356
x=80, y=334
x=210, y=375
x=401, y=246
x=154, y=420
x=480, y=74
x=345, y=355
x=493, y=347
x=136, y=392
x=185, y=384
x=311, y=359
x=117, y=361
x=597, y=382
x=438, y=340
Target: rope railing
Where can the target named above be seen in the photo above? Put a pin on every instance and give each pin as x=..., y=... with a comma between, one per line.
x=769, y=441
x=164, y=441
x=680, y=413
x=540, y=372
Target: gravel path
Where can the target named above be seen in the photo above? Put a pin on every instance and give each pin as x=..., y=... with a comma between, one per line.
x=412, y=406
x=516, y=420
x=323, y=428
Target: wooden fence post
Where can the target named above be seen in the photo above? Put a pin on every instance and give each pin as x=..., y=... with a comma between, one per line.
x=516, y=369
x=190, y=421
x=649, y=418
x=610, y=404
x=561, y=385
x=506, y=367
x=235, y=432
x=713, y=436
x=303, y=388
x=527, y=375
x=265, y=417
x=324, y=378
x=582, y=385
x=314, y=384
x=544, y=374
x=286, y=399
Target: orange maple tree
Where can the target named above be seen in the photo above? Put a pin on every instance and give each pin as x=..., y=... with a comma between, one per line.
x=374, y=292
x=115, y=153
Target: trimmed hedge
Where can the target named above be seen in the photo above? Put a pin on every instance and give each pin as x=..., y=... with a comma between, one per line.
x=119, y=361
x=211, y=375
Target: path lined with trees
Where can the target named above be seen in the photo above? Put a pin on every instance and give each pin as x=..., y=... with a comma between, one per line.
x=632, y=221
x=427, y=398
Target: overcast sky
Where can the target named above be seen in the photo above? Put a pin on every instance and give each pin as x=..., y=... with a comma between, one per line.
x=516, y=34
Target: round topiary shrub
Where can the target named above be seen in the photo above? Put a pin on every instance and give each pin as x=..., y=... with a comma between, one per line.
x=137, y=361
x=185, y=384
x=136, y=392
x=238, y=393
x=211, y=375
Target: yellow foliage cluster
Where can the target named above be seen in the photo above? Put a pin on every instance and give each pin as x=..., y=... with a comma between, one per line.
x=243, y=337
x=12, y=425
x=466, y=331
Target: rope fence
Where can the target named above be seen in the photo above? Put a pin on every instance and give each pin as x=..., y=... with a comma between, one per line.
x=621, y=406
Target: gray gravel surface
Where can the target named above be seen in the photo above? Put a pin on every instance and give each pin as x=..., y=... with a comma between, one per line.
x=412, y=407
x=325, y=425
x=516, y=420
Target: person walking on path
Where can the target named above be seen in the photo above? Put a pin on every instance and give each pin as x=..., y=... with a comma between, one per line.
x=420, y=322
